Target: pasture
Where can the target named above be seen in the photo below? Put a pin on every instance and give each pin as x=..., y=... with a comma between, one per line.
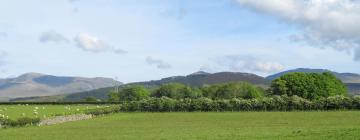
x=199, y=125
x=42, y=111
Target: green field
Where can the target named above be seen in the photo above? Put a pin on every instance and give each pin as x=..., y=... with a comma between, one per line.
x=199, y=125
x=42, y=111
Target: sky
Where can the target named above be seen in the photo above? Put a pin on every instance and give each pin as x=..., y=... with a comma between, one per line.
x=137, y=40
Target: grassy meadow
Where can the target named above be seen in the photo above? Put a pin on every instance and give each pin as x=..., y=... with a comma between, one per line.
x=42, y=111
x=199, y=125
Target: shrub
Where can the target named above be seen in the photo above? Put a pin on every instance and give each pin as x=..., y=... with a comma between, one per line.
x=274, y=103
x=20, y=122
x=102, y=111
x=177, y=91
x=233, y=90
x=133, y=93
x=356, y=102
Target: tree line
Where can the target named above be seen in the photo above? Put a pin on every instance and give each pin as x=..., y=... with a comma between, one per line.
x=293, y=91
x=180, y=91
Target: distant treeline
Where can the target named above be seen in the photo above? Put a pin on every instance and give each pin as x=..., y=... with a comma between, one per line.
x=311, y=86
x=294, y=91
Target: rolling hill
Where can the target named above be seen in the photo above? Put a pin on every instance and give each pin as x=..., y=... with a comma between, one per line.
x=351, y=80
x=202, y=78
x=195, y=79
x=36, y=84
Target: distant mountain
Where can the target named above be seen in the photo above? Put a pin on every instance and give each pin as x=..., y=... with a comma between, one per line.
x=200, y=73
x=353, y=88
x=195, y=79
x=37, y=84
x=345, y=77
x=203, y=78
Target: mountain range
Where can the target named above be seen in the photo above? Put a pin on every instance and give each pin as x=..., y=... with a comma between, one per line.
x=200, y=78
x=37, y=84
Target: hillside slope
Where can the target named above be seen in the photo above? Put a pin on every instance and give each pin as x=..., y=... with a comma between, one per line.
x=194, y=79
x=203, y=78
x=36, y=84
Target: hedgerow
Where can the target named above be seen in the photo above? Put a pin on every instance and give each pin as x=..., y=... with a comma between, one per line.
x=274, y=103
x=19, y=122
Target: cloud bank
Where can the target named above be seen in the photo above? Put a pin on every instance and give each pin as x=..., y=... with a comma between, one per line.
x=93, y=44
x=243, y=63
x=323, y=23
x=160, y=64
x=52, y=36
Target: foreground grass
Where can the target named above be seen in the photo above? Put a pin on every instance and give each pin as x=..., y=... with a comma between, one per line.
x=43, y=111
x=228, y=125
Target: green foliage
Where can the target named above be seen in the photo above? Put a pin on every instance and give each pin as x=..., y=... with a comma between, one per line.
x=275, y=103
x=308, y=85
x=217, y=91
x=233, y=90
x=113, y=96
x=102, y=111
x=23, y=121
x=176, y=91
x=133, y=93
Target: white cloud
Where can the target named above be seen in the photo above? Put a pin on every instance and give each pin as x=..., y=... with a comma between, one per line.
x=93, y=44
x=243, y=63
x=159, y=63
x=52, y=36
x=323, y=23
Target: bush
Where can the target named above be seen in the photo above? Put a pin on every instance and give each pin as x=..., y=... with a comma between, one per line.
x=275, y=103
x=19, y=122
x=177, y=91
x=233, y=90
x=133, y=93
x=356, y=102
x=102, y=111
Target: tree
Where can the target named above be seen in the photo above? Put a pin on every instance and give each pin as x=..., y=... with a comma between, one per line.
x=233, y=90
x=189, y=92
x=133, y=93
x=177, y=91
x=113, y=96
x=91, y=99
x=308, y=85
x=209, y=91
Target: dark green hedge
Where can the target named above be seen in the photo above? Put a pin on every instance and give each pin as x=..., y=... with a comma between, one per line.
x=19, y=122
x=275, y=103
x=56, y=103
x=102, y=111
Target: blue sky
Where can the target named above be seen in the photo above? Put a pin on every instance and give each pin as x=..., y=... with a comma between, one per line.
x=136, y=40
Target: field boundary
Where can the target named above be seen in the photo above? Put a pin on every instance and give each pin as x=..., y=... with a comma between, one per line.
x=58, y=103
x=63, y=119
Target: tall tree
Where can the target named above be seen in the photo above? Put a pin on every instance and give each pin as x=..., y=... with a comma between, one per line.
x=308, y=85
x=133, y=93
